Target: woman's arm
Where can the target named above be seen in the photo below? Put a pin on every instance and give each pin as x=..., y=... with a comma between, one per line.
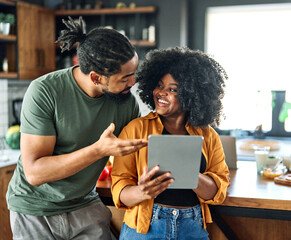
x=206, y=188
x=147, y=187
x=213, y=182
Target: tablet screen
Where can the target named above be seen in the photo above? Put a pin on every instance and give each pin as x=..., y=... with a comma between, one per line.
x=179, y=154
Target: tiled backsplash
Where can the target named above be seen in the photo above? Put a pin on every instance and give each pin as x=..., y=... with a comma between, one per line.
x=9, y=90
x=3, y=107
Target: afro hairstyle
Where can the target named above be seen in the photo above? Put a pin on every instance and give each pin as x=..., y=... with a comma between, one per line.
x=201, y=82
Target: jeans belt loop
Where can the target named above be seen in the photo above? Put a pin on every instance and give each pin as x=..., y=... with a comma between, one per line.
x=157, y=212
x=195, y=212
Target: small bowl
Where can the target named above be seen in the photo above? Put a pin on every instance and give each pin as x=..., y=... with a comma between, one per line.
x=272, y=161
x=272, y=173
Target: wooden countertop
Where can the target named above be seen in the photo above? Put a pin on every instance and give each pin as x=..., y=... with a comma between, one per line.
x=247, y=189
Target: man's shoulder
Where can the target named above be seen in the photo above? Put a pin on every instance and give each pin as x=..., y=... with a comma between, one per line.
x=53, y=81
x=54, y=76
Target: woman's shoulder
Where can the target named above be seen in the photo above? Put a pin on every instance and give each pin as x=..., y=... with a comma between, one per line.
x=142, y=120
x=206, y=131
x=139, y=127
x=209, y=134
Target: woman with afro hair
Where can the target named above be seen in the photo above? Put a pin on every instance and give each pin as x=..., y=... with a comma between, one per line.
x=185, y=88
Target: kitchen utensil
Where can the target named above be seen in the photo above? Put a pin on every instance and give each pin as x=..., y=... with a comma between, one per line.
x=16, y=110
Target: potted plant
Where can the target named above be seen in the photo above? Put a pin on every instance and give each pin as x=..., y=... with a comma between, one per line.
x=9, y=21
x=2, y=17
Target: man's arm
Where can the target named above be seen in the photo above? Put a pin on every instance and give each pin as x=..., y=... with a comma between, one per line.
x=41, y=167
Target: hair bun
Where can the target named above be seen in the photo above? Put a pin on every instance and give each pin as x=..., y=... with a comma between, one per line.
x=82, y=38
x=76, y=32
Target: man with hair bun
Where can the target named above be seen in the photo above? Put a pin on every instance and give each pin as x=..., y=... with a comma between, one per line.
x=69, y=122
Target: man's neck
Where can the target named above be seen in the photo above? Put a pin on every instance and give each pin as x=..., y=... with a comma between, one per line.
x=85, y=84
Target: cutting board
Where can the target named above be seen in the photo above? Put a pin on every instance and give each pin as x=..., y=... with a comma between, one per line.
x=283, y=179
x=248, y=145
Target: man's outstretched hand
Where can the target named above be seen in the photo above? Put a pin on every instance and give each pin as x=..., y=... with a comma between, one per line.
x=110, y=145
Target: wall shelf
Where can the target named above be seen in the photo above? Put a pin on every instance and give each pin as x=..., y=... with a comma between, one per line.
x=142, y=43
x=8, y=2
x=137, y=43
x=149, y=9
x=132, y=22
x=8, y=75
x=8, y=43
x=10, y=38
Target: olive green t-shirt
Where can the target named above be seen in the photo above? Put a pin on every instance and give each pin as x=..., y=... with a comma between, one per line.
x=55, y=105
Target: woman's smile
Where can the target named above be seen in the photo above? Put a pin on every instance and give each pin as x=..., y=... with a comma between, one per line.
x=162, y=102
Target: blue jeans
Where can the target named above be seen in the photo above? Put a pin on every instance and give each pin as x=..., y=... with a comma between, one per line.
x=170, y=224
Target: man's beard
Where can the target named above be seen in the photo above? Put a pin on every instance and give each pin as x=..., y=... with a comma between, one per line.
x=118, y=98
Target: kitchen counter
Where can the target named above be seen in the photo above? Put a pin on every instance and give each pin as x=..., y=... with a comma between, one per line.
x=252, y=205
x=8, y=157
x=247, y=189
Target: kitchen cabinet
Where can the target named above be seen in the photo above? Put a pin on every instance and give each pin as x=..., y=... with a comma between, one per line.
x=139, y=24
x=5, y=176
x=36, y=49
x=30, y=49
x=8, y=43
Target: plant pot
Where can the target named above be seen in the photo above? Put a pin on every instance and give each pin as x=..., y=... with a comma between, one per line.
x=1, y=27
x=6, y=28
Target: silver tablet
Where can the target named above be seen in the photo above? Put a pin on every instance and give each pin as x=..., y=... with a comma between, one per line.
x=179, y=154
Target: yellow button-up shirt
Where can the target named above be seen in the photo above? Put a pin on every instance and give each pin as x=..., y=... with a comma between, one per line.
x=128, y=169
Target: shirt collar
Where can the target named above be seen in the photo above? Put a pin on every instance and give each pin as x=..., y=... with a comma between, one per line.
x=154, y=115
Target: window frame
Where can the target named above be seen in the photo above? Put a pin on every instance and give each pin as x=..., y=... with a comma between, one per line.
x=197, y=41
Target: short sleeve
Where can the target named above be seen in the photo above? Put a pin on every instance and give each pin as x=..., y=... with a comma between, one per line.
x=37, y=114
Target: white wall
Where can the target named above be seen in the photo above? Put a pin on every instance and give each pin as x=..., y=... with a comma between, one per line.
x=143, y=107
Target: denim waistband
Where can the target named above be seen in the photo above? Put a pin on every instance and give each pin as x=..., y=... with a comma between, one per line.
x=161, y=211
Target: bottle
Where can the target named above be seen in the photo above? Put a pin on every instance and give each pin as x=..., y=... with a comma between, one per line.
x=131, y=33
x=5, y=65
x=145, y=34
x=152, y=33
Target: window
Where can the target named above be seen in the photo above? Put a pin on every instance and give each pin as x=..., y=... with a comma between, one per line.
x=253, y=44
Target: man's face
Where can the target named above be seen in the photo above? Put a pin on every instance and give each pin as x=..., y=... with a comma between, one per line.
x=117, y=87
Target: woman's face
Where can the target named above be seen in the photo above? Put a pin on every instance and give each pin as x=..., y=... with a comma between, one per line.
x=166, y=97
